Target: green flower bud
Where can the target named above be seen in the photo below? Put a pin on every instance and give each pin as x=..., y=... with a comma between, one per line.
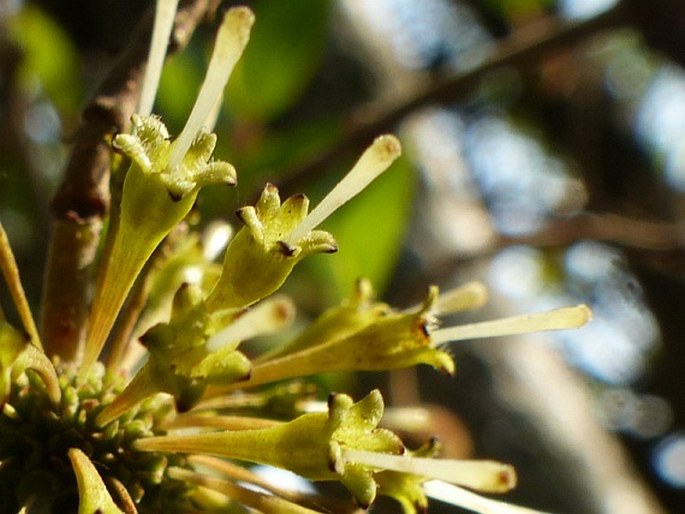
x=179, y=362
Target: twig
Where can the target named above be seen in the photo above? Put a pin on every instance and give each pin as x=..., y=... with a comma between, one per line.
x=517, y=52
x=83, y=198
x=627, y=232
x=659, y=244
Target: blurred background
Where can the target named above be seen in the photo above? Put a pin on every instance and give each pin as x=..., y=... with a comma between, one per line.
x=544, y=156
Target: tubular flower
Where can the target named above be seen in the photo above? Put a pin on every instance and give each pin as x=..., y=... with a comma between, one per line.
x=311, y=445
x=162, y=182
x=374, y=339
x=155, y=199
x=277, y=236
x=156, y=424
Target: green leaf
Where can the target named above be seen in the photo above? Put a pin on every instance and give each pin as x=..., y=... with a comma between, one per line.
x=285, y=48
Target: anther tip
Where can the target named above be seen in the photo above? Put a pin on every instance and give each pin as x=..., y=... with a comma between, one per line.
x=388, y=146
x=240, y=20
x=583, y=315
x=507, y=478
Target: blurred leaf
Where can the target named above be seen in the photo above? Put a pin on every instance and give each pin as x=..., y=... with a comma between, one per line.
x=285, y=48
x=48, y=56
x=369, y=230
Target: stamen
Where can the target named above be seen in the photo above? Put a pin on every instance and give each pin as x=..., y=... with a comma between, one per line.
x=268, y=317
x=374, y=161
x=230, y=43
x=213, y=114
x=455, y=495
x=560, y=319
x=482, y=475
x=165, y=12
x=463, y=298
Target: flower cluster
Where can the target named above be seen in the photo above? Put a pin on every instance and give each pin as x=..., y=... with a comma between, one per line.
x=162, y=434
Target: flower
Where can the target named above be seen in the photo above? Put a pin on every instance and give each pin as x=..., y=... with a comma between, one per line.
x=162, y=182
x=77, y=436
